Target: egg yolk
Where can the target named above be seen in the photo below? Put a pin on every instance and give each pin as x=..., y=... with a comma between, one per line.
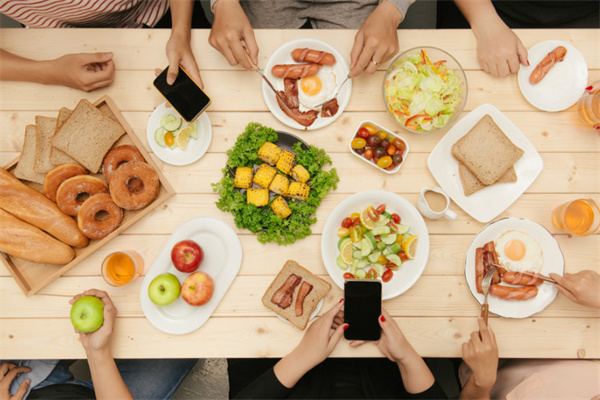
x=310, y=85
x=514, y=249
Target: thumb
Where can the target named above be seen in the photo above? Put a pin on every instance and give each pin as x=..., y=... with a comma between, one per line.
x=522, y=53
x=99, y=57
x=336, y=336
x=22, y=389
x=172, y=73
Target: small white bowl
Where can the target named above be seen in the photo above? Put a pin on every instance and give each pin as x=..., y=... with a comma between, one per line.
x=390, y=134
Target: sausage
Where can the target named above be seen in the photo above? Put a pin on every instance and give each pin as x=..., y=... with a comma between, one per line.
x=479, y=268
x=556, y=55
x=295, y=71
x=517, y=278
x=313, y=56
x=514, y=293
x=304, y=290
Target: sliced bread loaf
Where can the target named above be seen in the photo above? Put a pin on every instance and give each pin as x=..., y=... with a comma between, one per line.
x=57, y=157
x=471, y=184
x=24, y=169
x=45, y=130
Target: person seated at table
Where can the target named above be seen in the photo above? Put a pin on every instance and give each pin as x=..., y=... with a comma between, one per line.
x=499, y=49
x=124, y=379
x=308, y=373
x=375, y=42
x=92, y=71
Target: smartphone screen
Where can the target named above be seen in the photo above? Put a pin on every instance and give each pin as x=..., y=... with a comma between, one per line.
x=362, y=308
x=184, y=94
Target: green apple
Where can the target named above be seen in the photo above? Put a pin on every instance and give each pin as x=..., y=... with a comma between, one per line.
x=87, y=314
x=164, y=289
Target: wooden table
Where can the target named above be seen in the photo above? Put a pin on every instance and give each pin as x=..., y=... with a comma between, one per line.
x=437, y=314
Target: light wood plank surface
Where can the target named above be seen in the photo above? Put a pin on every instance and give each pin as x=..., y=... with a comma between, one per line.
x=437, y=314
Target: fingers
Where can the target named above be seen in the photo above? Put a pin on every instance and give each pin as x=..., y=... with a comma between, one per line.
x=363, y=61
x=522, y=53
x=513, y=64
x=157, y=71
x=22, y=390
x=240, y=54
x=333, y=311
x=97, y=57
x=485, y=332
x=5, y=367
x=356, y=49
x=335, y=337
x=566, y=293
x=14, y=372
x=251, y=44
x=356, y=343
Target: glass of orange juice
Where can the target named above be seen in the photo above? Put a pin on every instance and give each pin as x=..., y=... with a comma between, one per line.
x=580, y=217
x=588, y=105
x=122, y=267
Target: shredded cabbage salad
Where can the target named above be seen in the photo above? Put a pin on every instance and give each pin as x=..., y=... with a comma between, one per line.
x=420, y=94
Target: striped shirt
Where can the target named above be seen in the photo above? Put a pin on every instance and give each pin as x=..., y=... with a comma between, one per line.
x=85, y=13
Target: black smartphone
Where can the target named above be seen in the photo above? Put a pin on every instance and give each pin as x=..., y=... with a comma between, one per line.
x=184, y=94
x=362, y=308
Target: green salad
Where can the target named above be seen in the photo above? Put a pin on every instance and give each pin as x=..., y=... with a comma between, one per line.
x=262, y=220
x=422, y=95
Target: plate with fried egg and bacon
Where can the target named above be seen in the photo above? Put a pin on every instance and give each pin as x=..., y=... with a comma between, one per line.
x=307, y=72
x=518, y=245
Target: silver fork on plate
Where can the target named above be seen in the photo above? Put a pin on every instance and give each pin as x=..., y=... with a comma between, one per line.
x=336, y=92
x=485, y=287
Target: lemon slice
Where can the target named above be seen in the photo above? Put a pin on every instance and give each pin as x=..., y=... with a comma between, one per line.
x=346, y=252
x=365, y=220
x=183, y=137
x=410, y=247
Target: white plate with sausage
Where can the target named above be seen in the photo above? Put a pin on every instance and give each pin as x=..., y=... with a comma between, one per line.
x=562, y=85
x=330, y=77
x=553, y=261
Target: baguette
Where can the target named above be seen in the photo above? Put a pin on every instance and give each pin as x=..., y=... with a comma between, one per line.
x=31, y=206
x=25, y=241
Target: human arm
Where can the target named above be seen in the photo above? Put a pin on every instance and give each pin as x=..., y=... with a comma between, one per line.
x=480, y=353
x=108, y=383
x=82, y=71
x=8, y=372
x=582, y=288
x=179, y=50
x=499, y=50
x=230, y=27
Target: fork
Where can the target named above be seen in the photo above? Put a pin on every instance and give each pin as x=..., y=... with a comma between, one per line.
x=485, y=287
x=336, y=92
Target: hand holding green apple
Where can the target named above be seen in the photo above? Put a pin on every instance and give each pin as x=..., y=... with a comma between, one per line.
x=93, y=316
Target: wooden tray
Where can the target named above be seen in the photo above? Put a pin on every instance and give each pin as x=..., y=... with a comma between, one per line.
x=32, y=277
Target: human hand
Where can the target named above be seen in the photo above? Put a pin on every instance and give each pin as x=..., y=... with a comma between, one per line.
x=481, y=355
x=582, y=288
x=8, y=373
x=83, y=71
x=99, y=340
x=229, y=29
x=179, y=52
x=377, y=40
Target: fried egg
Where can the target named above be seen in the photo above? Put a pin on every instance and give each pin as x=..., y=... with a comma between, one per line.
x=519, y=251
x=315, y=89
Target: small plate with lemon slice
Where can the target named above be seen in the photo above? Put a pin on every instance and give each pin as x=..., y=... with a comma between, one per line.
x=360, y=254
x=175, y=141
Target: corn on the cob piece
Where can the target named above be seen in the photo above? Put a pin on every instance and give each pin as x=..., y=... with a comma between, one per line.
x=269, y=153
x=258, y=197
x=280, y=207
x=264, y=175
x=286, y=161
x=279, y=184
x=298, y=190
x=243, y=177
x=300, y=173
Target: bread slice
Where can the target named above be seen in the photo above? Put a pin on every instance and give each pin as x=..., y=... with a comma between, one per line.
x=43, y=143
x=87, y=135
x=57, y=157
x=24, y=169
x=471, y=184
x=319, y=290
x=486, y=151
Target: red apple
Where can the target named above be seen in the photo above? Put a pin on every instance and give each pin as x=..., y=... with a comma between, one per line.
x=197, y=288
x=187, y=256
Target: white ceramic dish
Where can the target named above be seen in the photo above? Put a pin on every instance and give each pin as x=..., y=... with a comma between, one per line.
x=410, y=270
x=283, y=56
x=487, y=203
x=553, y=262
x=222, y=261
x=562, y=86
x=390, y=134
x=195, y=148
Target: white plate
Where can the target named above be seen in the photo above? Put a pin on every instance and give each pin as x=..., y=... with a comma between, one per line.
x=553, y=262
x=410, y=270
x=562, y=86
x=195, y=148
x=487, y=203
x=283, y=56
x=312, y=314
x=222, y=261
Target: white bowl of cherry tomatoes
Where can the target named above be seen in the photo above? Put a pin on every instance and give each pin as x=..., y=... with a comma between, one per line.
x=378, y=147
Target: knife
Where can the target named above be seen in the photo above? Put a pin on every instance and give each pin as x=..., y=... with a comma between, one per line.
x=542, y=277
x=256, y=69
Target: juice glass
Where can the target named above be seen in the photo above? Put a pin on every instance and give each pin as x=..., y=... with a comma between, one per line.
x=588, y=106
x=122, y=267
x=580, y=217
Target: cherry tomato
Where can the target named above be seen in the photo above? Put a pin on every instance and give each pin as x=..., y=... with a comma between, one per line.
x=380, y=209
x=384, y=162
x=378, y=239
x=359, y=151
x=169, y=139
x=403, y=255
x=390, y=167
x=393, y=227
x=379, y=152
x=373, y=141
x=391, y=150
x=384, y=143
x=358, y=143
x=363, y=132
x=372, y=274
x=382, y=134
x=355, y=221
x=382, y=260
x=342, y=232
x=348, y=275
x=368, y=154
x=396, y=218
x=391, y=266
x=355, y=215
x=375, y=159
x=400, y=145
x=370, y=128
x=387, y=275
x=347, y=223
x=373, y=215
x=397, y=159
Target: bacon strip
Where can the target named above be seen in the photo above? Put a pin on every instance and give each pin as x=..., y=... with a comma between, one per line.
x=292, y=110
x=304, y=290
x=330, y=108
x=284, y=295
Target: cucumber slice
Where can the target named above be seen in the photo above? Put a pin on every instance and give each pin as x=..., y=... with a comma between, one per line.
x=357, y=245
x=387, y=252
x=194, y=131
x=374, y=256
x=394, y=258
x=378, y=268
x=170, y=122
x=383, y=220
x=353, y=270
x=159, y=136
x=395, y=248
x=406, y=236
x=381, y=230
x=365, y=247
x=389, y=239
x=402, y=229
x=342, y=241
x=371, y=238
x=357, y=255
x=361, y=274
x=361, y=264
x=381, y=246
x=341, y=264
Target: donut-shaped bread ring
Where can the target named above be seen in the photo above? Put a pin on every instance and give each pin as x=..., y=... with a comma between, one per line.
x=58, y=175
x=118, y=156
x=134, y=185
x=90, y=219
x=68, y=194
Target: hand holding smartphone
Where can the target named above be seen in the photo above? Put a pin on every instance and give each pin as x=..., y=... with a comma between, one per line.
x=362, y=308
x=184, y=94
